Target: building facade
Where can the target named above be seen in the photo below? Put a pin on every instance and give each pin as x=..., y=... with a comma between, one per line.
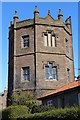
x=66, y=96
x=40, y=53
x=3, y=100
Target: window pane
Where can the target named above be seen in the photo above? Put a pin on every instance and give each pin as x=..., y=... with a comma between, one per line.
x=49, y=39
x=50, y=70
x=26, y=45
x=47, y=72
x=49, y=103
x=26, y=41
x=54, y=76
x=68, y=75
x=26, y=73
x=26, y=38
x=45, y=40
x=53, y=41
x=26, y=70
x=26, y=77
x=55, y=72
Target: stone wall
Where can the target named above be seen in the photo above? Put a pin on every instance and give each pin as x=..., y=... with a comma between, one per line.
x=37, y=55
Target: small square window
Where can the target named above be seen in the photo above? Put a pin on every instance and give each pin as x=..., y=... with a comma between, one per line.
x=26, y=41
x=26, y=73
x=49, y=103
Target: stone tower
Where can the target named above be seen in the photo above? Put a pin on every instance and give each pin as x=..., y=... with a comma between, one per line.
x=40, y=53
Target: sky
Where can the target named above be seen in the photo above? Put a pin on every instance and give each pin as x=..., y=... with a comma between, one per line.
x=25, y=11
x=78, y=38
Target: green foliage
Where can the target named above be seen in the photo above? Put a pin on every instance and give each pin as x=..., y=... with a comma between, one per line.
x=15, y=111
x=55, y=114
x=0, y=113
x=24, y=98
x=22, y=113
x=41, y=108
x=20, y=97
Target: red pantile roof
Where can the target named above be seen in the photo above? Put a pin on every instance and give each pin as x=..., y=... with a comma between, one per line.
x=61, y=89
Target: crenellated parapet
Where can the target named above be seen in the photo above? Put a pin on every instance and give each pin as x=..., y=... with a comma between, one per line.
x=48, y=20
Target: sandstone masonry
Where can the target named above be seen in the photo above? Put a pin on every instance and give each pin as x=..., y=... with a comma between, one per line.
x=40, y=53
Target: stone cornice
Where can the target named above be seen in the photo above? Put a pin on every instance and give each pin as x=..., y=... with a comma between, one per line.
x=43, y=21
x=24, y=54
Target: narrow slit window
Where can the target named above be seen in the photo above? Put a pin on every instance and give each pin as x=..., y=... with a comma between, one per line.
x=45, y=40
x=54, y=72
x=47, y=71
x=49, y=39
x=26, y=41
x=26, y=73
x=53, y=41
x=67, y=49
x=68, y=74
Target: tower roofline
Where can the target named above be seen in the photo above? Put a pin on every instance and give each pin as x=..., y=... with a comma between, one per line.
x=40, y=20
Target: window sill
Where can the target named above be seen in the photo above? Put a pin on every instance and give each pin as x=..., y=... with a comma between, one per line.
x=50, y=46
x=24, y=81
x=25, y=47
x=51, y=80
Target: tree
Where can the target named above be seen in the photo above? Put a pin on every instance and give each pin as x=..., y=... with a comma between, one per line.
x=24, y=98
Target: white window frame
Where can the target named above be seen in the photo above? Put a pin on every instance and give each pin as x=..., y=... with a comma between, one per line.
x=50, y=103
